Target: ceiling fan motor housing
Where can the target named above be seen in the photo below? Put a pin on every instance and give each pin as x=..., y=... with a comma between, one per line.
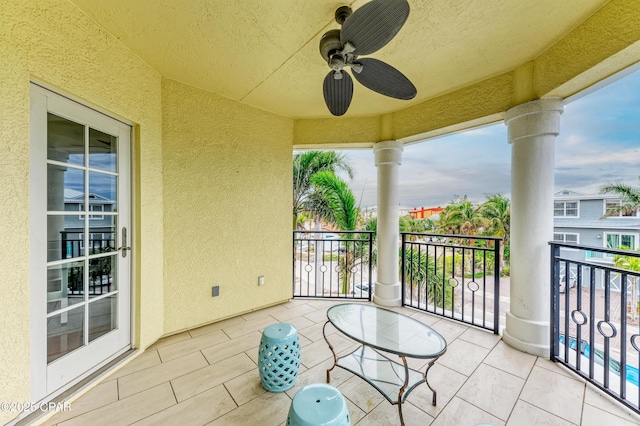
x=330, y=43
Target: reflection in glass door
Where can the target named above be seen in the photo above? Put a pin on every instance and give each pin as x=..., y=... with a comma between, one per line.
x=82, y=285
x=86, y=188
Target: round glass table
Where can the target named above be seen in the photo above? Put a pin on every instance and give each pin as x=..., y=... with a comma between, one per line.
x=382, y=332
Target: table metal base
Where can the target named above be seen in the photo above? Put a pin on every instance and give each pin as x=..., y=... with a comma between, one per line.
x=387, y=376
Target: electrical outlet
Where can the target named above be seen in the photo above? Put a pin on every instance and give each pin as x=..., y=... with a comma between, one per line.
x=215, y=291
x=261, y=280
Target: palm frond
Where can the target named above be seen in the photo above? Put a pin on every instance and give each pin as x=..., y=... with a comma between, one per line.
x=339, y=198
x=629, y=196
x=308, y=163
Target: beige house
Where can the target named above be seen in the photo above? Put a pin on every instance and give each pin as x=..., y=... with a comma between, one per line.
x=187, y=113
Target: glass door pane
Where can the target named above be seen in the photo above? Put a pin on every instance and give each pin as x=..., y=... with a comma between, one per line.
x=65, y=333
x=102, y=316
x=82, y=219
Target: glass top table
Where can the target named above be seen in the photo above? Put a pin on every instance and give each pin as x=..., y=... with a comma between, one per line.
x=382, y=332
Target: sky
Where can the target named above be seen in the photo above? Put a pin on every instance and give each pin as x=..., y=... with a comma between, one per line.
x=599, y=143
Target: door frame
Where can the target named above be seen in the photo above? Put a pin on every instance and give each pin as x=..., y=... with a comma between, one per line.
x=40, y=389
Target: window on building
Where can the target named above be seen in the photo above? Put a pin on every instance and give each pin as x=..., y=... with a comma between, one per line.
x=611, y=205
x=621, y=240
x=569, y=238
x=93, y=208
x=565, y=209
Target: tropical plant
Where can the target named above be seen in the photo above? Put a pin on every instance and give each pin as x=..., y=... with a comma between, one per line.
x=305, y=165
x=410, y=224
x=629, y=195
x=339, y=199
x=301, y=219
x=631, y=263
x=317, y=209
x=344, y=214
x=426, y=276
x=371, y=225
x=460, y=216
x=496, y=215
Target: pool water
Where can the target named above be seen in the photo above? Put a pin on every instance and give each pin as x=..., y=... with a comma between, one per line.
x=585, y=349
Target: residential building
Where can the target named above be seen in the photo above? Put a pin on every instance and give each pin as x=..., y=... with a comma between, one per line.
x=425, y=213
x=581, y=219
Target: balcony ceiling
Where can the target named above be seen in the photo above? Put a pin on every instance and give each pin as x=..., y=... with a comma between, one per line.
x=264, y=53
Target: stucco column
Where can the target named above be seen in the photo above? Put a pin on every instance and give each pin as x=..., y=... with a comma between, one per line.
x=388, y=156
x=533, y=128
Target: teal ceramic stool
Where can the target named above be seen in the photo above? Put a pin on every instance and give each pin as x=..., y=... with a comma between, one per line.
x=318, y=404
x=279, y=357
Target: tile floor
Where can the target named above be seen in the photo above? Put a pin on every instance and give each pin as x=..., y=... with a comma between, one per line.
x=209, y=376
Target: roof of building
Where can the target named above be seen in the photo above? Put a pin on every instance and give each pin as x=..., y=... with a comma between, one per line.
x=574, y=195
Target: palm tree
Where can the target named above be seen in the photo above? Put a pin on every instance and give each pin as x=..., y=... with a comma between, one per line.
x=371, y=224
x=343, y=213
x=496, y=212
x=339, y=199
x=459, y=217
x=629, y=195
x=410, y=224
x=305, y=165
x=425, y=276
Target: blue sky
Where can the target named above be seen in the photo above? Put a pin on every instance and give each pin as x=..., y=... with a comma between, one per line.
x=599, y=143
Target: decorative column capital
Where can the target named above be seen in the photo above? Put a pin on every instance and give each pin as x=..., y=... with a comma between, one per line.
x=535, y=118
x=388, y=152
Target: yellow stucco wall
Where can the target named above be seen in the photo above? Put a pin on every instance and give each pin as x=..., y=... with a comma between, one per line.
x=613, y=29
x=227, y=198
x=53, y=42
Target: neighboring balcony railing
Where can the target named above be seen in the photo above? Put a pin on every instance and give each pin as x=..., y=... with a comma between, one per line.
x=594, y=317
x=333, y=264
x=100, y=273
x=454, y=276
x=70, y=248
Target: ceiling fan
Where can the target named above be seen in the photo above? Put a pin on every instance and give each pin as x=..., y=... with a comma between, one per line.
x=363, y=32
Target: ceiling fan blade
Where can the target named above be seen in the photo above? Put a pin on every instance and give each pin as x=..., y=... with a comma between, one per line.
x=338, y=93
x=384, y=79
x=374, y=25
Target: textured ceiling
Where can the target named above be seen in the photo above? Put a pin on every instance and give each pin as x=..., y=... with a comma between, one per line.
x=264, y=53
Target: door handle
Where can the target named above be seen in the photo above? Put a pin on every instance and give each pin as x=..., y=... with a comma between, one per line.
x=123, y=249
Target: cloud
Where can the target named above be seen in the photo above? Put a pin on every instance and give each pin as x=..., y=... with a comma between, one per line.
x=599, y=142
x=588, y=155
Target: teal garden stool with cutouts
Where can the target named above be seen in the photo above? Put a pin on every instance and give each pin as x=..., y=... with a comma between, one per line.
x=318, y=404
x=279, y=357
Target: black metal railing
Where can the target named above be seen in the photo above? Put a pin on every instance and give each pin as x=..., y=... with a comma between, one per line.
x=100, y=272
x=74, y=247
x=455, y=276
x=333, y=264
x=594, y=317
x=100, y=280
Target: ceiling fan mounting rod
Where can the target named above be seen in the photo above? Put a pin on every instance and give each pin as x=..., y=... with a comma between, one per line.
x=342, y=13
